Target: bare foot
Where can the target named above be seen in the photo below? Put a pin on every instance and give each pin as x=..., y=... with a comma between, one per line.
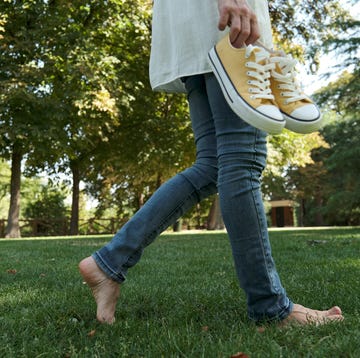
x=105, y=291
x=302, y=315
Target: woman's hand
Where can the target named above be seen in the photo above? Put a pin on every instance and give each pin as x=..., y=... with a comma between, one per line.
x=237, y=14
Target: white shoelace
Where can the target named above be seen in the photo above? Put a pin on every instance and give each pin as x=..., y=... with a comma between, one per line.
x=287, y=79
x=260, y=85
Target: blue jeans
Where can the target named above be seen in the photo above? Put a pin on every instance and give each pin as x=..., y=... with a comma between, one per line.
x=230, y=159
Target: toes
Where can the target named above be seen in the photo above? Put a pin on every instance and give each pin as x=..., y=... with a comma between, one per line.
x=303, y=316
x=334, y=311
x=335, y=318
x=328, y=319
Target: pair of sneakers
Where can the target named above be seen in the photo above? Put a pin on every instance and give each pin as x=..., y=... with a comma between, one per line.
x=260, y=86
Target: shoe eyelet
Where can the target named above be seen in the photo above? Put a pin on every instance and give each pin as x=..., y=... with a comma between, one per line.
x=252, y=97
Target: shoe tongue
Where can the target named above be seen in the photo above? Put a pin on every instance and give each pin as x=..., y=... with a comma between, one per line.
x=261, y=55
x=278, y=69
x=285, y=65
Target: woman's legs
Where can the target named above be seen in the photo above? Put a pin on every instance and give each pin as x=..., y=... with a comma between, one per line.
x=241, y=159
x=241, y=151
x=108, y=266
x=240, y=154
x=171, y=200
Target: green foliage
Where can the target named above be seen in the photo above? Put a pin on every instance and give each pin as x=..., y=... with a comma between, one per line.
x=287, y=151
x=338, y=180
x=23, y=92
x=301, y=28
x=91, y=105
x=306, y=24
x=149, y=148
x=343, y=164
x=5, y=174
x=75, y=97
x=48, y=208
x=322, y=184
x=341, y=159
x=48, y=203
x=307, y=185
x=328, y=189
x=343, y=95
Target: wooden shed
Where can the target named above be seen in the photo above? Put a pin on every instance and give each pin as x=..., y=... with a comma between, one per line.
x=282, y=213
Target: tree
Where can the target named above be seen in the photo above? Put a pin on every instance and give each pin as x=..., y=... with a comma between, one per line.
x=298, y=28
x=49, y=210
x=24, y=101
x=215, y=221
x=86, y=84
x=287, y=152
x=308, y=185
x=153, y=140
x=295, y=171
x=299, y=25
x=328, y=188
x=60, y=89
x=146, y=161
x=75, y=99
x=151, y=146
x=343, y=95
x=343, y=164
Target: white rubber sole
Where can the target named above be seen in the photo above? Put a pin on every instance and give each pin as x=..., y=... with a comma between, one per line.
x=247, y=113
x=302, y=126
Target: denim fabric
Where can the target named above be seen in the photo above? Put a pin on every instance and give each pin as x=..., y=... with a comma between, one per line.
x=230, y=158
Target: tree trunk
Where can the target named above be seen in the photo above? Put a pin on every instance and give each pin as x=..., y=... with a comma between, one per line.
x=74, y=221
x=215, y=221
x=141, y=199
x=159, y=180
x=302, y=213
x=319, y=219
x=13, y=227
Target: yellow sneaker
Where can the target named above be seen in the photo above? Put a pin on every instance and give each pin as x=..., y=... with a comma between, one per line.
x=299, y=111
x=244, y=77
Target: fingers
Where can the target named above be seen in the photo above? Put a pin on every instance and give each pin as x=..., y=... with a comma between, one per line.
x=224, y=18
x=244, y=29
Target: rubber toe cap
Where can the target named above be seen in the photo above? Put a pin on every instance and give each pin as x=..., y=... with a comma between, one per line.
x=309, y=112
x=271, y=111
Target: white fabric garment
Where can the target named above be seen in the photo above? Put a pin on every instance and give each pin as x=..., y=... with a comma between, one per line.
x=183, y=32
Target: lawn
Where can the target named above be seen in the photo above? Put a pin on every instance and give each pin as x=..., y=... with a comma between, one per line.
x=182, y=300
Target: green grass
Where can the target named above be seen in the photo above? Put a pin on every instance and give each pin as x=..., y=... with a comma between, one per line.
x=182, y=300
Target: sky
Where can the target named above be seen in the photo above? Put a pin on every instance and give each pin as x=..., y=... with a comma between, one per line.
x=311, y=83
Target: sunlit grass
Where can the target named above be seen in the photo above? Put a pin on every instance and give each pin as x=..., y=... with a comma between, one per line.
x=182, y=300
